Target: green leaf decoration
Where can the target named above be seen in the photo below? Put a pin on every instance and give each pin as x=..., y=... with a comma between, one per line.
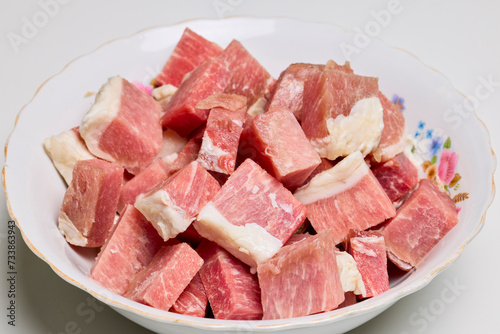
x=434, y=159
x=447, y=143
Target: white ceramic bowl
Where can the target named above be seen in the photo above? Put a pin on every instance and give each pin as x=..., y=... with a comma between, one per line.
x=35, y=190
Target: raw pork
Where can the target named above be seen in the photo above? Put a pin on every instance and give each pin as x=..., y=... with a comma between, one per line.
x=301, y=279
x=65, y=149
x=342, y=113
x=89, y=205
x=233, y=292
x=180, y=113
x=397, y=176
x=161, y=283
x=426, y=216
x=173, y=205
x=392, y=140
x=128, y=250
x=345, y=197
x=248, y=77
x=190, y=52
x=289, y=91
x=143, y=182
x=252, y=215
x=123, y=126
x=277, y=143
x=369, y=251
x=193, y=300
x=222, y=134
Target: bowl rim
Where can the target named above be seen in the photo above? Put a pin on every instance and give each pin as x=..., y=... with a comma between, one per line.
x=375, y=303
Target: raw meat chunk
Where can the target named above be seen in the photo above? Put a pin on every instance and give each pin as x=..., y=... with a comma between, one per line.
x=392, y=140
x=289, y=91
x=426, y=216
x=161, y=283
x=172, y=144
x=248, y=77
x=65, y=149
x=130, y=248
x=173, y=205
x=342, y=112
x=397, y=176
x=345, y=197
x=222, y=134
x=233, y=292
x=181, y=114
x=193, y=300
x=188, y=154
x=301, y=279
x=123, y=126
x=143, y=182
x=350, y=277
x=252, y=215
x=369, y=251
x=89, y=205
x=279, y=145
x=190, y=52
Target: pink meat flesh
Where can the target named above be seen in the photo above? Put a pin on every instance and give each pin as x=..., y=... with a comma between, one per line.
x=334, y=94
x=301, y=279
x=361, y=206
x=134, y=137
x=143, y=182
x=190, y=52
x=161, y=283
x=233, y=292
x=248, y=77
x=222, y=134
x=397, y=176
x=276, y=142
x=91, y=200
x=289, y=91
x=369, y=251
x=193, y=300
x=181, y=114
x=130, y=248
x=420, y=223
x=392, y=140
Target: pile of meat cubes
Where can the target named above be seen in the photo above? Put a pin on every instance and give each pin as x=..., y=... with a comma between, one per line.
x=230, y=194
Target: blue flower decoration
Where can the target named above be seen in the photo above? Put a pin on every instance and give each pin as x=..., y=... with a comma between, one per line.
x=421, y=125
x=429, y=133
x=399, y=102
x=436, y=144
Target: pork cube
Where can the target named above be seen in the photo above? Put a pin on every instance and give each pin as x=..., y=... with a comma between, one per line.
x=180, y=113
x=222, y=134
x=248, y=77
x=397, y=176
x=190, y=52
x=252, y=215
x=301, y=279
x=233, y=292
x=342, y=112
x=289, y=91
x=369, y=251
x=345, y=197
x=280, y=147
x=161, y=283
x=123, y=126
x=89, y=206
x=426, y=216
x=193, y=300
x=143, y=182
x=173, y=205
x=128, y=250
x=393, y=138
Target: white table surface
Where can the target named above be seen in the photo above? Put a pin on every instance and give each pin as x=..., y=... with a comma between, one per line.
x=459, y=38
